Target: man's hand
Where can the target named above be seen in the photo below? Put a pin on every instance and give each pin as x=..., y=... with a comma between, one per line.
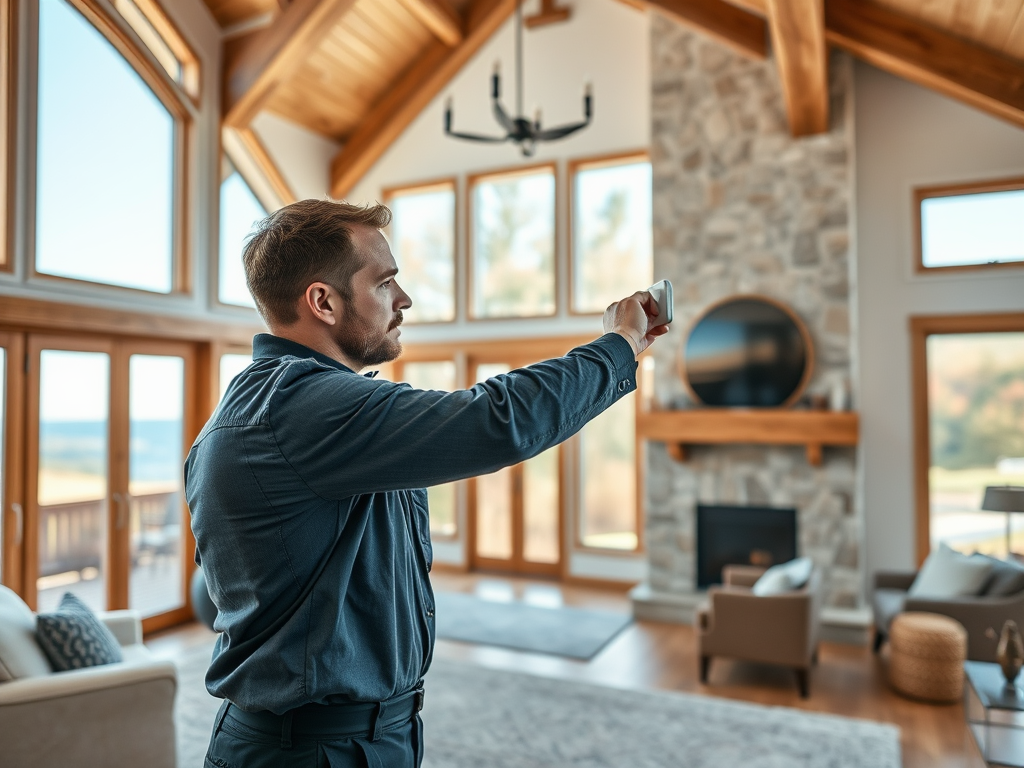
x=631, y=319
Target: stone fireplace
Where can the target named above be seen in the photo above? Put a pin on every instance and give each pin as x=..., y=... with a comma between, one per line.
x=741, y=535
x=741, y=207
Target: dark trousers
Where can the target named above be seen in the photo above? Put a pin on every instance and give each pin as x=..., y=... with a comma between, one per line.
x=328, y=737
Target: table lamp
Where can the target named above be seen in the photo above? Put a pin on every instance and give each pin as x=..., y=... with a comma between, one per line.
x=1004, y=498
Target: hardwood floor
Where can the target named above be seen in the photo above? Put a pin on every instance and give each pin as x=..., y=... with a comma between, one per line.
x=849, y=680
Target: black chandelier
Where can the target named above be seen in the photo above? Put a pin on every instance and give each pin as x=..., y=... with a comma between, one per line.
x=523, y=131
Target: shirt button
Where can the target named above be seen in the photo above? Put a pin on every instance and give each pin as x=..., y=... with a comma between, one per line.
x=622, y=386
x=430, y=613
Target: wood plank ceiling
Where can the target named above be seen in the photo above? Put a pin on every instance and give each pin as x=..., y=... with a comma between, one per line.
x=359, y=71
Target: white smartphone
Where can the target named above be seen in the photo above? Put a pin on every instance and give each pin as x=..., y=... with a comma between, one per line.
x=662, y=293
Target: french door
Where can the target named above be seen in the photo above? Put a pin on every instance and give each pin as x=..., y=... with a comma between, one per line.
x=516, y=514
x=107, y=426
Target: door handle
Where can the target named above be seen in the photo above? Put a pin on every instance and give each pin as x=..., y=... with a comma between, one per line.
x=121, y=499
x=19, y=525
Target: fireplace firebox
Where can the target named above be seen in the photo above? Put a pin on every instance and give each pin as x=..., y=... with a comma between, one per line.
x=742, y=535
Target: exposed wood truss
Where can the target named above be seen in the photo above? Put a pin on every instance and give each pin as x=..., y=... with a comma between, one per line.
x=439, y=17
x=550, y=13
x=929, y=56
x=733, y=26
x=245, y=142
x=798, y=41
x=272, y=54
x=414, y=89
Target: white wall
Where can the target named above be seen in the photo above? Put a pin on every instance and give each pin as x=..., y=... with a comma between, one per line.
x=907, y=136
x=303, y=157
x=606, y=43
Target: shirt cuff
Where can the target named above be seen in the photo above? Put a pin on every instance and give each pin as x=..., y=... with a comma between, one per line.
x=620, y=353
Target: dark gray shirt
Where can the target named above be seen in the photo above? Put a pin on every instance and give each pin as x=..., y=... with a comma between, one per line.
x=310, y=518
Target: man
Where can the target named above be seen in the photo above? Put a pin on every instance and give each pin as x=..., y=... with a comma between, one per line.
x=307, y=500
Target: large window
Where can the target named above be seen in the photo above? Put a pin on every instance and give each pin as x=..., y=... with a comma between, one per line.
x=423, y=242
x=611, y=230
x=512, y=248
x=438, y=375
x=239, y=213
x=107, y=162
x=970, y=225
x=608, y=479
x=975, y=396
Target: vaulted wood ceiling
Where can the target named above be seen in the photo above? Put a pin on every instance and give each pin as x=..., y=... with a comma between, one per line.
x=359, y=71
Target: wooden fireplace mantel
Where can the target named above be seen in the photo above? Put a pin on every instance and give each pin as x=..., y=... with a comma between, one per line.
x=763, y=426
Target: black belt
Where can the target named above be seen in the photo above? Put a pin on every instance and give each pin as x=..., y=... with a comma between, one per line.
x=331, y=721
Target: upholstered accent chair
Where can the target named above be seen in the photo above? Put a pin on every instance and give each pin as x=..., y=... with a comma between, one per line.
x=112, y=715
x=773, y=629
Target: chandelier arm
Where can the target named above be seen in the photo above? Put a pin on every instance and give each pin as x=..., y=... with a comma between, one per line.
x=477, y=137
x=502, y=117
x=559, y=132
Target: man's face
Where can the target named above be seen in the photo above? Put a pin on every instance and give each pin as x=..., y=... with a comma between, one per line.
x=368, y=333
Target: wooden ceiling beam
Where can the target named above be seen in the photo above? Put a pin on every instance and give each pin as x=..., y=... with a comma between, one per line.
x=928, y=56
x=439, y=17
x=271, y=55
x=414, y=89
x=798, y=42
x=737, y=28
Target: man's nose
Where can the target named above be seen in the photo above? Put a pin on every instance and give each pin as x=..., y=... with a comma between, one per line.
x=403, y=300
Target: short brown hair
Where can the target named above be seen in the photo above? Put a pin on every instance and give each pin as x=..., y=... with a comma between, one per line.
x=303, y=243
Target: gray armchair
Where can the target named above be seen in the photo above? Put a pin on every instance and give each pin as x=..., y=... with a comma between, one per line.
x=112, y=715
x=776, y=629
x=977, y=613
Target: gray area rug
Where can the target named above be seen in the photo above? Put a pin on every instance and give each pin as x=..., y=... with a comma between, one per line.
x=483, y=718
x=572, y=632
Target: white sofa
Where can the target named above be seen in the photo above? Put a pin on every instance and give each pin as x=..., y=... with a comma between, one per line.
x=103, y=717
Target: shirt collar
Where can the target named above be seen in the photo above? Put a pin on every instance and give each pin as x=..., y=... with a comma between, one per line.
x=268, y=346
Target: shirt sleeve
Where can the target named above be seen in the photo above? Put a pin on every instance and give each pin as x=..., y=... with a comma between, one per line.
x=345, y=434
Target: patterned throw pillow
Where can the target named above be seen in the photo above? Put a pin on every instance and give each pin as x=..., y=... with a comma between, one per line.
x=73, y=638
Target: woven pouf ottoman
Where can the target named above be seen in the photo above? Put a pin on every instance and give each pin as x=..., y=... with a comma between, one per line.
x=927, y=653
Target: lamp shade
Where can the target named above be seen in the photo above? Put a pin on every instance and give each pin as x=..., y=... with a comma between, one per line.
x=1004, y=498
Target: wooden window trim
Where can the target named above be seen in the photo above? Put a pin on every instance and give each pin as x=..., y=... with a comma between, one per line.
x=588, y=164
x=436, y=185
x=170, y=34
x=920, y=194
x=181, y=111
x=921, y=327
x=8, y=119
x=471, y=181
x=13, y=492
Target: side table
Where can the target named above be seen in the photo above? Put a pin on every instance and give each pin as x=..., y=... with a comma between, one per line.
x=995, y=714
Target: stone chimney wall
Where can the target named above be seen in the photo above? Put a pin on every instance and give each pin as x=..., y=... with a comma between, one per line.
x=741, y=207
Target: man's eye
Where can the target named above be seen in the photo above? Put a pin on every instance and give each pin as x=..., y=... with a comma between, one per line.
x=385, y=284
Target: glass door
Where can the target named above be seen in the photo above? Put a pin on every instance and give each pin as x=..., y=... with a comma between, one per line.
x=516, y=512
x=151, y=513
x=69, y=479
x=106, y=519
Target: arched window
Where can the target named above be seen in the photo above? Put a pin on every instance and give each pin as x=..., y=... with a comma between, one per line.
x=239, y=212
x=109, y=158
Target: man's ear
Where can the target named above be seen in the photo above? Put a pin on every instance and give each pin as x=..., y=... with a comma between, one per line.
x=323, y=302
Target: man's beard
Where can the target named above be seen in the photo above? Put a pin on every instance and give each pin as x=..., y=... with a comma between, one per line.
x=364, y=345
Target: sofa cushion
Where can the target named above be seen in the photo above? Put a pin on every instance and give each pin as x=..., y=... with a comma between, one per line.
x=73, y=638
x=1007, y=578
x=947, y=573
x=20, y=654
x=783, y=578
x=888, y=603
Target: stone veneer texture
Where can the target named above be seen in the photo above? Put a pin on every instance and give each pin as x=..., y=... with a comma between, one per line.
x=742, y=207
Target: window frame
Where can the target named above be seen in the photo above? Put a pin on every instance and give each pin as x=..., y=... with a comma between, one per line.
x=574, y=168
x=920, y=194
x=8, y=119
x=165, y=28
x=448, y=182
x=471, y=181
x=441, y=355
x=214, y=267
x=182, y=111
x=921, y=327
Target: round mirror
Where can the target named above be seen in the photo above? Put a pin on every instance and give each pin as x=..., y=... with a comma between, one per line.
x=747, y=351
